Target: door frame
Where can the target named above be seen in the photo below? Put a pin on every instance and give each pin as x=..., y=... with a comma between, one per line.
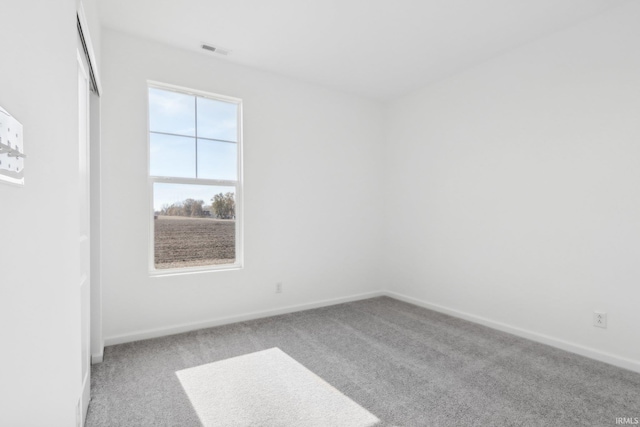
x=84, y=237
x=93, y=310
x=97, y=340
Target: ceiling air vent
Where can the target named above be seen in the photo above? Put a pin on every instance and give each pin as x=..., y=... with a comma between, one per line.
x=218, y=50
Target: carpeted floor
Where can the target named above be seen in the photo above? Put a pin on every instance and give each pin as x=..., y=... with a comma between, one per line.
x=406, y=365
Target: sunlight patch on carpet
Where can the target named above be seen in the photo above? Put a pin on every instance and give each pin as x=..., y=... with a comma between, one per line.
x=268, y=388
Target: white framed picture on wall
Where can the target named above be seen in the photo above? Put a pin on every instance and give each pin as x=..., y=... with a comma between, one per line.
x=11, y=149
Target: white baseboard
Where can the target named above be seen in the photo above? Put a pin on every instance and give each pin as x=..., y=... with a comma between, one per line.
x=97, y=358
x=621, y=362
x=187, y=327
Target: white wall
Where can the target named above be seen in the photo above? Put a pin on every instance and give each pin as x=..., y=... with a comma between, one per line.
x=516, y=189
x=39, y=277
x=312, y=205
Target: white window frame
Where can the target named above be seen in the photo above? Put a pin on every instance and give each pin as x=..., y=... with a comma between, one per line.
x=239, y=220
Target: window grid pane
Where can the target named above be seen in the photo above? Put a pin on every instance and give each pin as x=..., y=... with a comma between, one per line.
x=172, y=156
x=171, y=112
x=217, y=160
x=217, y=120
x=214, y=121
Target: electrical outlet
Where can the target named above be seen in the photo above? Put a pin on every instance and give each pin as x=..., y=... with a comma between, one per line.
x=279, y=288
x=600, y=319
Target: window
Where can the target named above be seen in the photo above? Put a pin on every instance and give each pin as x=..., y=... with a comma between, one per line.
x=195, y=171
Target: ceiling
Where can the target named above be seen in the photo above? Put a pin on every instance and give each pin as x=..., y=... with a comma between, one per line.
x=375, y=48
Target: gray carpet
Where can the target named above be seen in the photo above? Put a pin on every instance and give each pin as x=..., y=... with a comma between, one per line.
x=406, y=365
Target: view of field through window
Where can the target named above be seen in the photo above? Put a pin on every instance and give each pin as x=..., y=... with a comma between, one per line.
x=193, y=143
x=194, y=225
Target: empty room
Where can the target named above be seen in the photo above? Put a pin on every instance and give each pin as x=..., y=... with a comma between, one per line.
x=320, y=213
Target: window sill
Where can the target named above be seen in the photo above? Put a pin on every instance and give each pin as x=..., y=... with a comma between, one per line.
x=194, y=270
